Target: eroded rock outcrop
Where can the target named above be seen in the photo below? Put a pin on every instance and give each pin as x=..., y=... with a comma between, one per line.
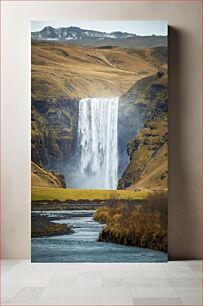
x=44, y=178
x=148, y=152
x=54, y=131
x=145, y=107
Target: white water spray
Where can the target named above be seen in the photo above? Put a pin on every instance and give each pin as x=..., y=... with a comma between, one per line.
x=98, y=143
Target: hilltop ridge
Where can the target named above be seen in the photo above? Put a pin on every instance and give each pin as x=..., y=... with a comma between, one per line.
x=91, y=38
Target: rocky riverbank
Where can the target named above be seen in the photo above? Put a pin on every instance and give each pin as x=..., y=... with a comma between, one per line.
x=42, y=227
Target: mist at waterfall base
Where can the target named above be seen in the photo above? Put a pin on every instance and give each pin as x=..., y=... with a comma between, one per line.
x=97, y=144
x=100, y=155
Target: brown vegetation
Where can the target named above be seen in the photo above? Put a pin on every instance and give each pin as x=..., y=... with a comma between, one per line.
x=142, y=225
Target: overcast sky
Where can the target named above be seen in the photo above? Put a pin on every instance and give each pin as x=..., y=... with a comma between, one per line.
x=144, y=27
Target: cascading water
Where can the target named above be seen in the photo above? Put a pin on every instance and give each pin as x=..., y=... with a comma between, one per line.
x=98, y=143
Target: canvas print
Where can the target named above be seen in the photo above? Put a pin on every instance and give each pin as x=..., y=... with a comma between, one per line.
x=99, y=164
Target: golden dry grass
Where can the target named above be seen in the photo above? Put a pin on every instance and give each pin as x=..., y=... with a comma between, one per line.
x=43, y=178
x=142, y=225
x=73, y=71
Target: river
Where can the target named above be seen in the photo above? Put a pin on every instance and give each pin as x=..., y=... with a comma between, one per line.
x=82, y=245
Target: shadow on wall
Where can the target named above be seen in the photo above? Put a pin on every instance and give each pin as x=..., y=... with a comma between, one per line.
x=184, y=229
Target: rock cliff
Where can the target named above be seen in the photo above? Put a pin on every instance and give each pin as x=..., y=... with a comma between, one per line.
x=54, y=128
x=145, y=107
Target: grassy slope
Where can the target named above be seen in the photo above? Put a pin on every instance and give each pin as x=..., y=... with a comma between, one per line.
x=77, y=72
x=41, y=193
x=44, y=178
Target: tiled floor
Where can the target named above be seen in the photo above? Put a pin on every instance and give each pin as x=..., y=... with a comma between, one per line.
x=174, y=283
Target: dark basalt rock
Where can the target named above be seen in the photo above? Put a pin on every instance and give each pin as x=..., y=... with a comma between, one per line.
x=160, y=74
x=54, y=131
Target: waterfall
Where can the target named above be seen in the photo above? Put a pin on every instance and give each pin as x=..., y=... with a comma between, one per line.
x=98, y=143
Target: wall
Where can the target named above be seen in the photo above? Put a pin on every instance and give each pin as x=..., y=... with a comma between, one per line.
x=184, y=19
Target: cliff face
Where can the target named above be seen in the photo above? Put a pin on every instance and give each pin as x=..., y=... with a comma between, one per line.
x=148, y=152
x=43, y=178
x=147, y=149
x=54, y=128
